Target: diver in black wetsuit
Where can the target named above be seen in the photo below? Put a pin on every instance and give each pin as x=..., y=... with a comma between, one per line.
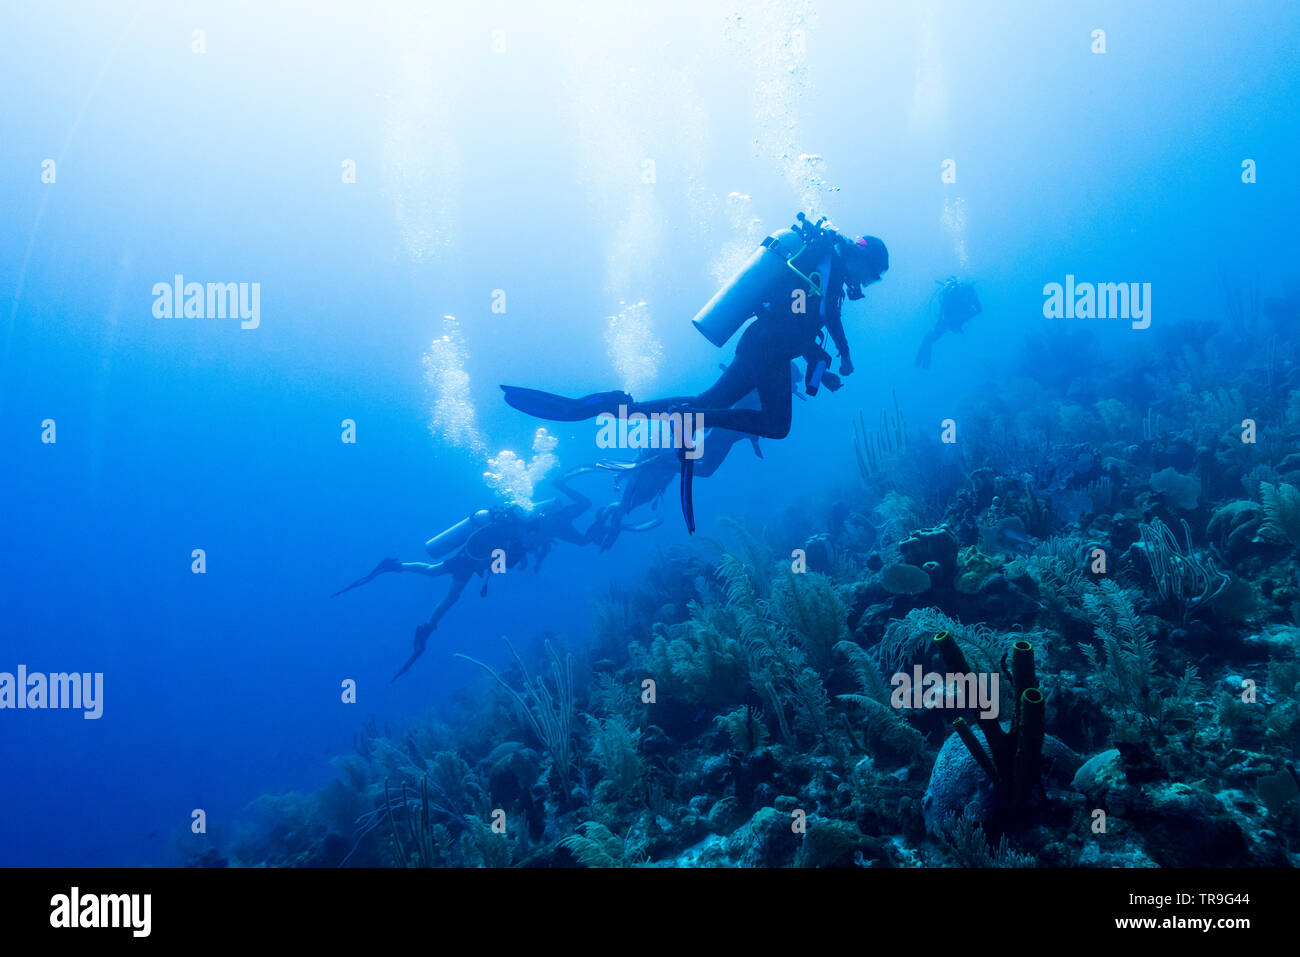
x=792, y=306
x=795, y=285
x=958, y=304
x=504, y=532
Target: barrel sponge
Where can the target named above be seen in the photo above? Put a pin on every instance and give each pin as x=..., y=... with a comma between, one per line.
x=904, y=579
x=1181, y=491
x=957, y=782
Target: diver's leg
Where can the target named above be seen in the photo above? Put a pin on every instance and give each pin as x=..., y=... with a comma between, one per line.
x=923, y=354
x=423, y=631
x=717, y=443
x=605, y=526
x=739, y=379
x=771, y=420
x=576, y=497
x=387, y=565
x=425, y=568
x=776, y=399
x=736, y=382
x=567, y=533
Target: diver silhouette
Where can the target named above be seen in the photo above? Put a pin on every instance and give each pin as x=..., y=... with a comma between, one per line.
x=794, y=285
x=958, y=304
x=505, y=534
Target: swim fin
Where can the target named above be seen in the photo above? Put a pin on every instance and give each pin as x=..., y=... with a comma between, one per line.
x=387, y=565
x=558, y=408
x=688, y=498
x=613, y=465
x=923, y=354
x=644, y=526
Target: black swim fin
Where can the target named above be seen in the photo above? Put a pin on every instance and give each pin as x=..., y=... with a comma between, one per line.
x=387, y=565
x=558, y=408
x=923, y=354
x=688, y=498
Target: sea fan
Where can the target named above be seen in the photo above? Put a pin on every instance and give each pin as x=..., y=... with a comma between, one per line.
x=1123, y=668
x=613, y=746
x=808, y=606
x=595, y=845
x=745, y=727
x=1281, y=513
x=882, y=723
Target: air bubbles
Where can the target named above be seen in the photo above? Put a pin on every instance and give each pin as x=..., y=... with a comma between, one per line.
x=515, y=480
x=953, y=221
x=452, y=416
x=633, y=348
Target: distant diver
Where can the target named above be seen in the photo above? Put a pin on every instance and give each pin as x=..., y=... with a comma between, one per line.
x=503, y=533
x=794, y=283
x=958, y=304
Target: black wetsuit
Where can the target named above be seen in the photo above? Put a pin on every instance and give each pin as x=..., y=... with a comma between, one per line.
x=957, y=306
x=763, y=356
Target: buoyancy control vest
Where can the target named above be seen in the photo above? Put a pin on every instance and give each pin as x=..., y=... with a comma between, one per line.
x=808, y=250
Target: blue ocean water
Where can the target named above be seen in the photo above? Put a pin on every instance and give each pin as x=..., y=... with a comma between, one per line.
x=568, y=160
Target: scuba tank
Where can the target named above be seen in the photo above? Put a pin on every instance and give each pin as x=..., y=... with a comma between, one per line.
x=958, y=303
x=802, y=248
x=453, y=538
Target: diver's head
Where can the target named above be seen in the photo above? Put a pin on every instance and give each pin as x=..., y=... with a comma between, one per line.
x=865, y=261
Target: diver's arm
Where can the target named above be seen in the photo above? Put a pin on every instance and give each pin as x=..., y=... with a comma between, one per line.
x=576, y=497
x=567, y=533
x=835, y=326
x=539, y=556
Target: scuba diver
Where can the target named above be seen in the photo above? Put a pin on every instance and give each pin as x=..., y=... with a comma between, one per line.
x=504, y=533
x=958, y=304
x=794, y=283
x=644, y=481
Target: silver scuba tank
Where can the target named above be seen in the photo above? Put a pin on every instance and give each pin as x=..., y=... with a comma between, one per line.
x=733, y=304
x=453, y=538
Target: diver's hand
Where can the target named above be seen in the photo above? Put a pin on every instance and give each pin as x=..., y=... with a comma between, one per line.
x=846, y=365
x=832, y=381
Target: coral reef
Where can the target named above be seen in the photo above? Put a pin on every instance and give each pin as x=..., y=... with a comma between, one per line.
x=1117, y=554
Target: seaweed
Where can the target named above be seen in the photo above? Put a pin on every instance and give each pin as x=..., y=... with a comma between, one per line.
x=1281, y=513
x=1184, y=580
x=883, y=726
x=1123, y=668
x=549, y=714
x=964, y=839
